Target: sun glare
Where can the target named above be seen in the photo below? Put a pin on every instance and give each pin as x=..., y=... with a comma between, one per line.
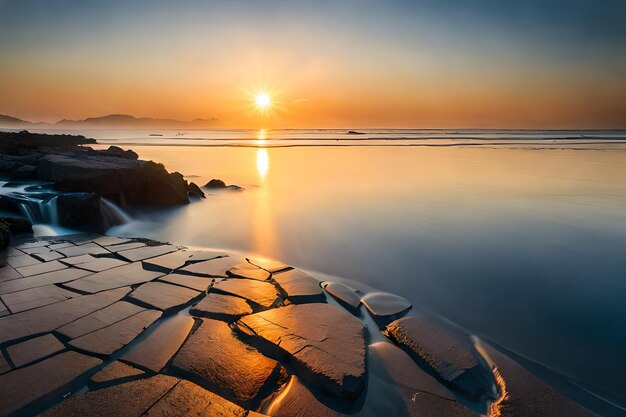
x=263, y=101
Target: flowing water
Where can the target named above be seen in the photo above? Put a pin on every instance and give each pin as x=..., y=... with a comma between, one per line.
x=518, y=237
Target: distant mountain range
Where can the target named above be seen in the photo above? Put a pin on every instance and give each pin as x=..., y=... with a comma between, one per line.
x=109, y=121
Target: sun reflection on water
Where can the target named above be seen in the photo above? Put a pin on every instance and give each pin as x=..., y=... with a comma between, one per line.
x=262, y=163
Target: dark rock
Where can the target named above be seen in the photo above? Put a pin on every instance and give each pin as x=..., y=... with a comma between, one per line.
x=214, y=354
x=325, y=344
x=354, y=132
x=25, y=172
x=193, y=188
x=86, y=212
x=127, y=182
x=119, y=152
x=451, y=362
x=17, y=225
x=24, y=142
x=217, y=184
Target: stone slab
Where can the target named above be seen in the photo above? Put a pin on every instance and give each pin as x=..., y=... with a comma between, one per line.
x=161, y=344
x=34, y=349
x=48, y=256
x=60, y=245
x=189, y=281
x=8, y=273
x=214, y=354
x=87, y=248
x=145, y=252
x=56, y=277
x=262, y=293
x=187, y=399
x=42, y=379
x=41, y=268
x=451, y=361
x=324, y=343
x=111, y=240
x=48, y=318
x=297, y=400
x=343, y=293
x=269, y=264
x=525, y=395
x=80, y=259
x=221, y=307
x=170, y=261
x=299, y=287
x=131, y=399
x=125, y=246
x=247, y=270
x=4, y=366
x=382, y=304
x=121, y=276
x=217, y=267
x=163, y=296
x=22, y=260
x=110, y=339
x=99, y=319
x=101, y=264
x=36, y=297
x=114, y=371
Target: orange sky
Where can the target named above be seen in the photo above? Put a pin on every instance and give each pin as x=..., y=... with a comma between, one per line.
x=373, y=71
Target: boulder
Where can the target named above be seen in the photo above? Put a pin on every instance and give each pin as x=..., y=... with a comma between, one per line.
x=323, y=343
x=217, y=184
x=86, y=212
x=119, y=152
x=10, y=225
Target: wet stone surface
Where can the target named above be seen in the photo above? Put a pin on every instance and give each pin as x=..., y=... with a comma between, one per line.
x=105, y=326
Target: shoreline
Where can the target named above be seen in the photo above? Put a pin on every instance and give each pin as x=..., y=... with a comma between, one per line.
x=230, y=277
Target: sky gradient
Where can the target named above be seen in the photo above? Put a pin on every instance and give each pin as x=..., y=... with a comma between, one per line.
x=361, y=63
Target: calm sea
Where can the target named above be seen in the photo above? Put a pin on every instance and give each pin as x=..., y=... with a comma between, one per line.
x=518, y=237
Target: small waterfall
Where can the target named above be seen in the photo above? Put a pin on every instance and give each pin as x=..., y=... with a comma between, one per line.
x=29, y=212
x=112, y=214
x=50, y=211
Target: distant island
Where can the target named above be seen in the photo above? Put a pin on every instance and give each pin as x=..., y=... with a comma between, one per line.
x=110, y=121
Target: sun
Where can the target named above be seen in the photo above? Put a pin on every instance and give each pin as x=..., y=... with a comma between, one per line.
x=263, y=101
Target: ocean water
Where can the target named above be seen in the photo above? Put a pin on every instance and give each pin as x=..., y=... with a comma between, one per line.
x=518, y=237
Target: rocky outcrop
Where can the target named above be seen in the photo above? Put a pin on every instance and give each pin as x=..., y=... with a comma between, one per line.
x=114, y=173
x=10, y=225
x=128, y=182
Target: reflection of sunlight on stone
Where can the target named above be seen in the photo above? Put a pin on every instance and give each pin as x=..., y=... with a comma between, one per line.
x=262, y=163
